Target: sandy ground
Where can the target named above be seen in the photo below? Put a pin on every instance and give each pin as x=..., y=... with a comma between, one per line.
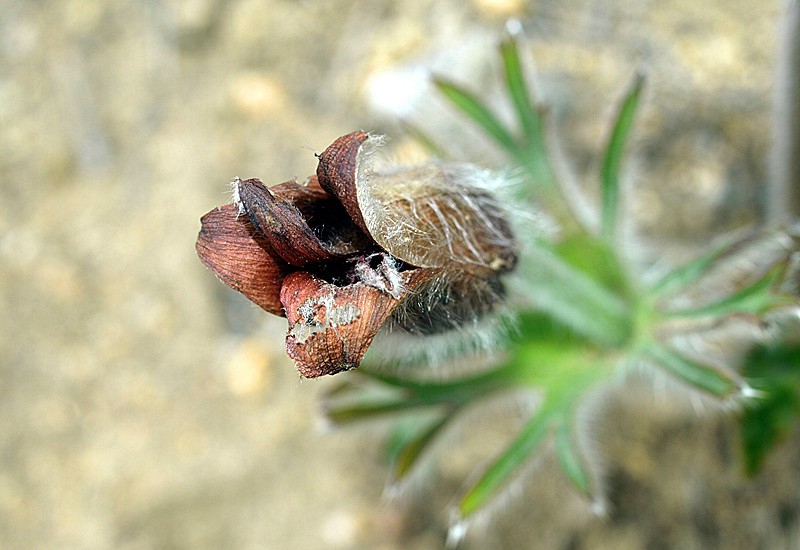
x=145, y=406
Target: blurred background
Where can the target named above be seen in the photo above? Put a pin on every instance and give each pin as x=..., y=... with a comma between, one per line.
x=146, y=406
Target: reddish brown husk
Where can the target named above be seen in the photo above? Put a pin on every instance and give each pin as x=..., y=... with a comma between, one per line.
x=331, y=327
x=336, y=172
x=240, y=256
x=278, y=216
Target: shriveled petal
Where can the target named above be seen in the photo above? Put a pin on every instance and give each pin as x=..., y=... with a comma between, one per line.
x=285, y=214
x=330, y=326
x=436, y=215
x=239, y=255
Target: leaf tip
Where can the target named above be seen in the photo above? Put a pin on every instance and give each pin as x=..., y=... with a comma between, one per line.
x=456, y=533
x=513, y=28
x=599, y=507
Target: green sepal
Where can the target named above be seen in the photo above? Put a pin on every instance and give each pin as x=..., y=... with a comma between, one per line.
x=340, y=414
x=595, y=258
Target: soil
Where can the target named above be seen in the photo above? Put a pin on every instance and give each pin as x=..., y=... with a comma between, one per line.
x=146, y=406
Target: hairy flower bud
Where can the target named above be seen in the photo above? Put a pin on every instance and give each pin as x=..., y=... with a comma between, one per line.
x=424, y=248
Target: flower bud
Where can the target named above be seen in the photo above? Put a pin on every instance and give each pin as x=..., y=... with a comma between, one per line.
x=421, y=248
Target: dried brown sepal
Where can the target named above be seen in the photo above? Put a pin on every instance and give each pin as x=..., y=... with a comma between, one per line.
x=330, y=326
x=337, y=170
x=283, y=215
x=300, y=194
x=238, y=254
x=325, y=215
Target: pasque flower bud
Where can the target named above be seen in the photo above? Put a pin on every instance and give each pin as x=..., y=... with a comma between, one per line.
x=351, y=248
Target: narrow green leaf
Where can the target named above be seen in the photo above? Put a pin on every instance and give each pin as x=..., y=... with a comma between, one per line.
x=412, y=449
x=612, y=160
x=571, y=462
x=497, y=474
x=404, y=429
x=702, y=377
x=690, y=272
x=351, y=412
x=476, y=110
x=757, y=298
x=533, y=150
x=518, y=90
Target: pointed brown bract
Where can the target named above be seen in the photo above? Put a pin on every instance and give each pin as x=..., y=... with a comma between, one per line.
x=330, y=326
x=277, y=215
x=282, y=225
x=233, y=249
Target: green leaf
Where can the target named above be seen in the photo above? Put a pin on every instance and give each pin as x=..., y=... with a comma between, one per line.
x=596, y=258
x=612, y=160
x=702, y=377
x=408, y=454
x=339, y=413
x=479, y=113
x=690, y=272
x=775, y=372
x=537, y=328
x=497, y=474
x=570, y=460
x=758, y=298
x=575, y=299
x=766, y=423
x=518, y=90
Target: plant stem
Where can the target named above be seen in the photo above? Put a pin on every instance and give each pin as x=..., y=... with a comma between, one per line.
x=784, y=190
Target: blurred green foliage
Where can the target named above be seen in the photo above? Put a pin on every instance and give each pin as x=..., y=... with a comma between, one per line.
x=774, y=370
x=588, y=316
